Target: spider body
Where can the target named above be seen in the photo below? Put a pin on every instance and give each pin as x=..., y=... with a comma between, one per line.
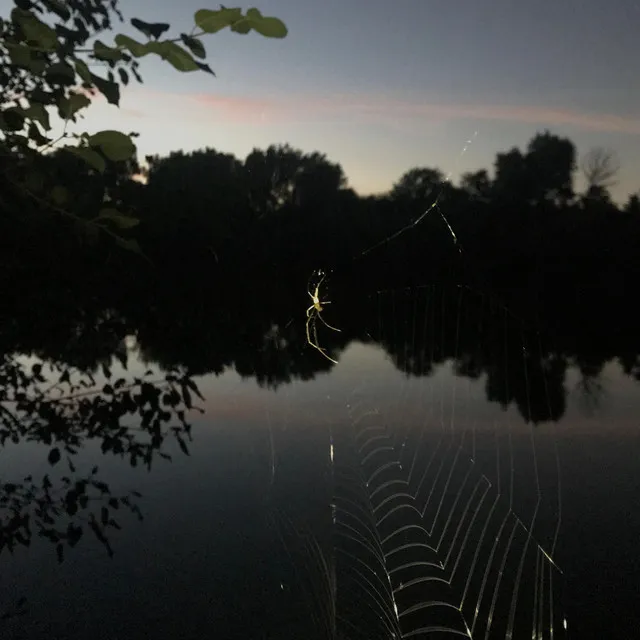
x=313, y=314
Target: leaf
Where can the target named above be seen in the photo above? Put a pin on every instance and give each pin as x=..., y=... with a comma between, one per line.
x=101, y=486
x=242, y=26
x=122, y=221
x=205, y=67
x=124, y=76
x=57, y=7
x=213, y=21
x=83, y=70
x=37, y=66
x=74, y=533
x=68, y=107
x=150, y=29
x=19, y=54
x=182, y=445
x=95, y=527
x=130, y=244
x=269, y=27
x=116, y=145
x=91, y=157
x=194, y=387
x=59, y=195
x=137, y=49
x=60, y=73
x=38, y=113
x=110, y=90
x=175, y=55
x=103, y=52
x=13, y=119
x=186, y=396
x=35, y=30
x=195, y=46
x=54, y=456
x=36, y=135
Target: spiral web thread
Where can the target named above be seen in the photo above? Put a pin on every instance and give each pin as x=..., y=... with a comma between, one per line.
x=430, y=538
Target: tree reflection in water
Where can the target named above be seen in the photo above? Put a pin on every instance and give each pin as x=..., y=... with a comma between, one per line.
x=70, y=400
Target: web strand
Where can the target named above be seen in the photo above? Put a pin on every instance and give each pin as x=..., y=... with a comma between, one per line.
x=424, y=214
x=447, y=549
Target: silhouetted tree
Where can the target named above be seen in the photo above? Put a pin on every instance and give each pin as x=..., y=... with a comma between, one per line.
x=544, y=175
x=512, y=181
x=318, y=182
x=633, y=205
x=420, y=186
x=477, y=185
x=550, y=163
x=600, y=167
x=197, y=200
x=271, y=177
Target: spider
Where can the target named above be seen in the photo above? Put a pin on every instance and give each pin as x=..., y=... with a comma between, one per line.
x=313, y=312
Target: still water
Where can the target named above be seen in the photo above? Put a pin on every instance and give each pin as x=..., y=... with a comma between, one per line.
x=401, y=492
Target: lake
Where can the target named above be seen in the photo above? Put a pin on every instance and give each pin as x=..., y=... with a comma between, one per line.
x=451, y=474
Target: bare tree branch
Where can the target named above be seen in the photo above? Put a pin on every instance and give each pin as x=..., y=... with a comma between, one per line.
x=600, y=167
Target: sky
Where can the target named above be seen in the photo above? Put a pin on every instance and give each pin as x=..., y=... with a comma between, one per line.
x=382, y=86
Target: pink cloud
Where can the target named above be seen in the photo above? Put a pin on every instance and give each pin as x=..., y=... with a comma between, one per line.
x=241, y=110
x=252, y=111
x=357, y=107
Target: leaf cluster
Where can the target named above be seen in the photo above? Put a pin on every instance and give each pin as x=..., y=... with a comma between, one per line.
x=54, y=58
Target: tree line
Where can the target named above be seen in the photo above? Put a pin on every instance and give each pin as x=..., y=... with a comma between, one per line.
x=284, y=212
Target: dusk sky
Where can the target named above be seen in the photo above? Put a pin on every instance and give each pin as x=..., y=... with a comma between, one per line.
x=383, y=86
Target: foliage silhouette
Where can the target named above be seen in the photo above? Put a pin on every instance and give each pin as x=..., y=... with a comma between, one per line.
x=232, y=243
x=46, y=48
x=64, y=409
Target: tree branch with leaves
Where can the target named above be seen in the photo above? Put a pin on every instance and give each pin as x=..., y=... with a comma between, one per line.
x=48, y=49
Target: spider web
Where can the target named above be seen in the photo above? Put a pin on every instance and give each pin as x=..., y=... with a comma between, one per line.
x=435, y=205
x=432, y=536
x=446, y=510
x=430, y=528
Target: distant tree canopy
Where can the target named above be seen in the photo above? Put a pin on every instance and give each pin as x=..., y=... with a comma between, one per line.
x=420, y=185
x=477, y=185
x=541, y=176
x=600, y=167
x=281, y=204
x=214, y=195
x=208, y=200
x=633, y=205
x=278, y=205
x=283, y=176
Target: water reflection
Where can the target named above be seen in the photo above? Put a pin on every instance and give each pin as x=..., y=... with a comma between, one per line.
x=407, y=491
x=62, y=411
